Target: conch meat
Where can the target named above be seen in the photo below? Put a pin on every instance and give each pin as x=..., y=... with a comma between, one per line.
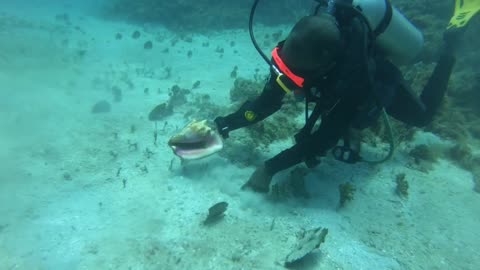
x=196, y=140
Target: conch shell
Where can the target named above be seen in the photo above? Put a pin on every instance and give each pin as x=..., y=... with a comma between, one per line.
x=196, y=140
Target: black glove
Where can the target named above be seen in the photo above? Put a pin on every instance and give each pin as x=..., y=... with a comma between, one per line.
x=222, y=126
x=259, y=181
x=235, y=120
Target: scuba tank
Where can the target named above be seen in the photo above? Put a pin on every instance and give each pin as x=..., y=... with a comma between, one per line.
x=397, y=37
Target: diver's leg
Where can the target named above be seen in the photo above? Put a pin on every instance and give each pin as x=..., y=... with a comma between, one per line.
x=433, y=93
x=410, y=109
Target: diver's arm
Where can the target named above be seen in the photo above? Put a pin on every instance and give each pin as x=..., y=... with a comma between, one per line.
x=332, y=128
x=269, y=101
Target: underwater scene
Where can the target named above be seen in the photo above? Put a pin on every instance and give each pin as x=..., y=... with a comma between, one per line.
x=260, y=134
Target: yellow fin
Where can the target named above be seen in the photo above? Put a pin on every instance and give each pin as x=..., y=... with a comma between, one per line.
x=464, y=11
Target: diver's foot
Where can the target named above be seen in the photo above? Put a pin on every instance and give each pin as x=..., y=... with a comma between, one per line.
x=259, y=181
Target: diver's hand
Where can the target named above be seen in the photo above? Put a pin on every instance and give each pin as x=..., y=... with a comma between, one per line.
x=222, y=127
x=259, y=181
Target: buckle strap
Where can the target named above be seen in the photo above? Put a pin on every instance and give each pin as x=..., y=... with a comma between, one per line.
x=282, y=69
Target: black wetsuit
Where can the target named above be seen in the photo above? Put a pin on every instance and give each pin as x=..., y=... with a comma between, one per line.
x=347, y=100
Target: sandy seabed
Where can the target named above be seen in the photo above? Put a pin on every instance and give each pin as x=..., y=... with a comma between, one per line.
x=79, y=191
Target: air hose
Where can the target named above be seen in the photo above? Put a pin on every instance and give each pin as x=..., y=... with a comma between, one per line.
x=390, y=138
x=252, y=36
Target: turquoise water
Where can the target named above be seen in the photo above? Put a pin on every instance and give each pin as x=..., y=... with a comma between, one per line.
x=85, y=184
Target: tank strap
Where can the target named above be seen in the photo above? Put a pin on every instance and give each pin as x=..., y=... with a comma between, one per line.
x=387, y=18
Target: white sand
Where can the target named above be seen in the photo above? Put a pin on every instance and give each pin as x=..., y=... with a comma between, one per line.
x=91, y=221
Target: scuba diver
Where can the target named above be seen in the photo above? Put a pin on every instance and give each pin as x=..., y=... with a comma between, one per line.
x=336, y=59
x=343, y=58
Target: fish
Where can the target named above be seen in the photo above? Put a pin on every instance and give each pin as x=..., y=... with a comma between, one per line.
x=215, y=213
x=196, y=140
